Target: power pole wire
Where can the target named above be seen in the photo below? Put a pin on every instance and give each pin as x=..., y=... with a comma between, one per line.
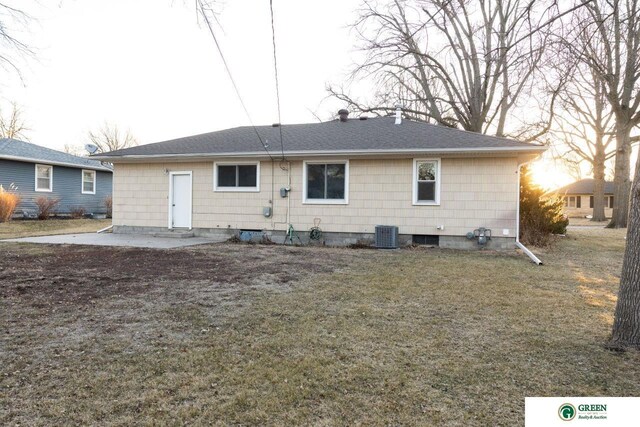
x=233, y=82
x=275, y=67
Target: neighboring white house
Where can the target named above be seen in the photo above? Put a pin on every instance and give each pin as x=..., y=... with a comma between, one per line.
x=436, y=184
x=578, y=198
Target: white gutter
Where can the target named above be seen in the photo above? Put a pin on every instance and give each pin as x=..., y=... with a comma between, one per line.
x=313, y=153
x=519, y=245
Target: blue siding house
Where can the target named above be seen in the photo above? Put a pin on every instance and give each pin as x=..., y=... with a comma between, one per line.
x=38, y=171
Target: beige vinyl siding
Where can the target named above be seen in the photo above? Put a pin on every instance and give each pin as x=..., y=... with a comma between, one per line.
x=474, y=192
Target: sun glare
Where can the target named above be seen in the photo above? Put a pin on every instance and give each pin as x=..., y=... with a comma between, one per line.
x=547, y=175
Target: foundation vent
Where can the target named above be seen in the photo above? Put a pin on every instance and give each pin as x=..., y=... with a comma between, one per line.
x=386, y=236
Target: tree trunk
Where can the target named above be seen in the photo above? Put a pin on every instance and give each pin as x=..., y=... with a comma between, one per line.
x=621, y=179
x=598, y=188
x=626, y=323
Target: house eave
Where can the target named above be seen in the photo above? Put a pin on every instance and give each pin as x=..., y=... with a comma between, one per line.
x=55, y=163
x=395, y=153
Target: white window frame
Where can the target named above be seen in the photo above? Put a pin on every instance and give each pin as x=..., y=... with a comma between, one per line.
x=44, y=190
x=307, y=201
x=217, y=188
x=95, y=181
x=417, y=202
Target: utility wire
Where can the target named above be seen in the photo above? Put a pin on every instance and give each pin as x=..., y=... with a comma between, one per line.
x=275, y=67
x=233, y=82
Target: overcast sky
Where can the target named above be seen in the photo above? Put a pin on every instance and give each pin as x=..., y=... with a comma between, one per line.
x=150, y=66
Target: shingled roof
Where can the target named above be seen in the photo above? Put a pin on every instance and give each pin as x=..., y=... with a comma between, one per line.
x=378, y=135
x=584, y=186
x=13, y=149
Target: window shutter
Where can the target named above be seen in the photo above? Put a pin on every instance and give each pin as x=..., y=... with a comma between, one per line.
x=591, y=202
x=578, y=201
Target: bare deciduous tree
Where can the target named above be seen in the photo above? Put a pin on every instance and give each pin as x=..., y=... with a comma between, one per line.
x=110, y=138
x=75, y=150
x=609, y=43
x=626, y=320
x=454, y=62
x=585, y=123
x=12, y=21
x=13, y=126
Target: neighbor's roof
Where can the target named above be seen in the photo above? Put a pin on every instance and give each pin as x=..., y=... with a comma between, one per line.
x=13, y=149
x=354, y=137
x=584, y=186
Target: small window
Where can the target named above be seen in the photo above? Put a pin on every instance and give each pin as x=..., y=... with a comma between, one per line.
x=236, y=177
x=88, y=182
x=426, y=182
x=572, y=202
x=44, y=178
x=326, y=182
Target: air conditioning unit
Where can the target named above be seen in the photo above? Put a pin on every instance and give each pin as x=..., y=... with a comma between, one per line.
x=386, y=236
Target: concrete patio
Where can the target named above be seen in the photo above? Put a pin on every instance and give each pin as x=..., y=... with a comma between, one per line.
x=110, y=239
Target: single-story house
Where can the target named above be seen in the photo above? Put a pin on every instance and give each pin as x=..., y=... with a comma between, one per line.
x=436, y=184
x=36, y=171
x=578, y=198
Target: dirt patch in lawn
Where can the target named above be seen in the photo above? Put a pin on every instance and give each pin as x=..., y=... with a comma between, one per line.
x=83, y=275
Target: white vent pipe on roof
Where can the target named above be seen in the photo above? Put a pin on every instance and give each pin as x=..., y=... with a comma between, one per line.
x=398, y=114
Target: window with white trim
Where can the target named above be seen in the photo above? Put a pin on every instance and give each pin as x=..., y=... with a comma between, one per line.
x=236, y=176
x=88, y=182
x=572, y=202
x=426, y=182
x=326, y=182
x=44, y=178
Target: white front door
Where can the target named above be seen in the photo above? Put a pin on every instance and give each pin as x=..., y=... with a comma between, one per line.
x=180, y=200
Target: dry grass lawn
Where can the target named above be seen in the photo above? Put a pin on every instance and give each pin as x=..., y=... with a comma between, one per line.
x=29, y=228
x=270, y=335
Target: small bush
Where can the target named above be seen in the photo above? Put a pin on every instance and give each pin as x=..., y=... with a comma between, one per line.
x=9, y=201
x=540, y=218
x=77, y=212
x=108, y=203
x=46, y=206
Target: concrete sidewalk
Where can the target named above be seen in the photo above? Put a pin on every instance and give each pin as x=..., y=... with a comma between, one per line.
x=110, y=239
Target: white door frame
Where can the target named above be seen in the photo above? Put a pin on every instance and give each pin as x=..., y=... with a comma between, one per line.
x=171, y=174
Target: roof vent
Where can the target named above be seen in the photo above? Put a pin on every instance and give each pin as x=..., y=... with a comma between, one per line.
x=343, y=114
x=275, y=125
x=363, y=117
x=398, y=114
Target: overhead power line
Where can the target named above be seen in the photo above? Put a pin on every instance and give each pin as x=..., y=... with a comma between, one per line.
x=233, y=82
x=275, y=67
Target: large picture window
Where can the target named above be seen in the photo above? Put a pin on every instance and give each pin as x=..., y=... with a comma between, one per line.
x=236, y=177
x=44, y=178
x=326, y=182
x=88, y=182
x=426, y=182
